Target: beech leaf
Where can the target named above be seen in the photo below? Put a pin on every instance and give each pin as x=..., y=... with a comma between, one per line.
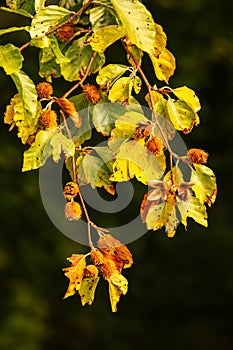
x=79, y=55
x=118, y=286
x=138, y=23
x=188, y=95
x=75, y=273
x=164, y=65
x=205, y=187
x=110, y=73
x=105, y=37
x=14, y=64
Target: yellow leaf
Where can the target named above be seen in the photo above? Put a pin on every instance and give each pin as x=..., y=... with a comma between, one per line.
x=75, y=273
x=87, y=290
x=118, y=286
x=160, y=40
x=188, y=95
x=164, y=66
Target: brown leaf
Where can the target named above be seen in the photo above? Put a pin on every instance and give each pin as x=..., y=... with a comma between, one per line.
x=75, y=273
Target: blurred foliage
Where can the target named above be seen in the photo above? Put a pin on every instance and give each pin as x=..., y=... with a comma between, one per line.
x=180, y=292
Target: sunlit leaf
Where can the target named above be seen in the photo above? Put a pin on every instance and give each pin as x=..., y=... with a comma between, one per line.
x=118, y=286
x=181, y=115
x=39, y=4
x=11, y=59
x=75, y=273
x=47, y=143
x=27, y=92
x=121, y=90
x=164, y=66
x=16, y=115
x=138, y=23
x=110, y=73
x=134, y=56
x=101, y=16
x=205, y=186
x=59, y=57
x=92, y=170
x=79, y=55
x=188, y=95
x=105, y=37
x=160, y=41
x=197, y=212
x=133, y=159
x=87, y=290
x=104, y=117
x=45, y=19
x=13, y=29
x=19, y=12
x=47, y=64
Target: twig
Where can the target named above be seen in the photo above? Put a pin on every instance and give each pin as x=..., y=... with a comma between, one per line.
x=24, y=46
x=80, y=83
x=71, y=19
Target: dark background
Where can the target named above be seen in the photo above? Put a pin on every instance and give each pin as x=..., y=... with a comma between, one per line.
x=180, y=290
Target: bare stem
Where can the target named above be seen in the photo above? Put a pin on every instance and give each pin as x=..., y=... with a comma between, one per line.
x=80, y=83
x=24, y=46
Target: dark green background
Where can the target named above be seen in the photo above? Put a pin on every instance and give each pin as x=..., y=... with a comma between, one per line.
x=181, y=289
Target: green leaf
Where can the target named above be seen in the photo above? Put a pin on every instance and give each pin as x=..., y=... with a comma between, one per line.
x=110, y=73
x=79, y=55
x=181, y=115
x=39, y=152
x=47, y=63
x=105, y=37
x=60, y=143
x=11, y=59
x=101, y=16
x=121, y=90
x=164, y=65
x=27, y=92
x=197, y=212
x=44, y=20
x=18, y=12
x=48, y=142
x=59, y=57
x=205, y=187
x=92, y=170
x=104, y=117
x=188, y=95
x=138, y=23
x=133, y=159
x=13, y=29
x=87, y=290
x=15, y=4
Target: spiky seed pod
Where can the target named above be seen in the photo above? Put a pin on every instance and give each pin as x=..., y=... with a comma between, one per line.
x=71, y=190
x=198, y=156
x=73, y=211
x=155, y=145
x=91, y=93
x=65, y=33
x=142, y=131
x=44, y=90
x=48, y=119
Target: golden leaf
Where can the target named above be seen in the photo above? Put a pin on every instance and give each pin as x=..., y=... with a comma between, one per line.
x=75, y=273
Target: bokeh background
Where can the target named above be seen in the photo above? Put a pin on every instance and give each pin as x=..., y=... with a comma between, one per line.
x=181, y=289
